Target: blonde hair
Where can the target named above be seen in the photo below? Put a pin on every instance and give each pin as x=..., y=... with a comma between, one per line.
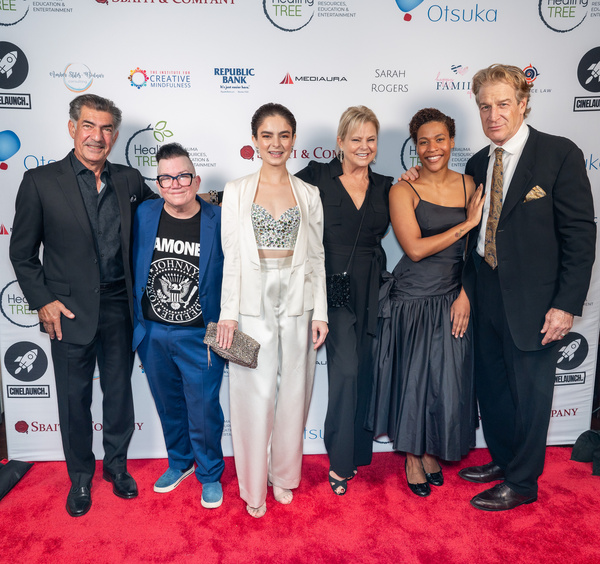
x=512, y=75
x=354, y=117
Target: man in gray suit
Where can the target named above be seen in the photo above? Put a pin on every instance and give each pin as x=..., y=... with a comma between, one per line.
x=81, y=209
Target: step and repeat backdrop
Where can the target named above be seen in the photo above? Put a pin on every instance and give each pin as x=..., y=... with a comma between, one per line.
x=194, y=71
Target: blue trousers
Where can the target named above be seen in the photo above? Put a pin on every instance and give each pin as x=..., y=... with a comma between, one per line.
x=186, y=392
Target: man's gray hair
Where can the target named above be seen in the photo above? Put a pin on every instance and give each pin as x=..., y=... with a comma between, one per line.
x=97, y=103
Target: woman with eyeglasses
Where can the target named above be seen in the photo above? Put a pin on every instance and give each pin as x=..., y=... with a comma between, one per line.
x=274, y=291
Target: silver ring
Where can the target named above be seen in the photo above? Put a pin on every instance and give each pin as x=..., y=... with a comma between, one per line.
x=562, y=334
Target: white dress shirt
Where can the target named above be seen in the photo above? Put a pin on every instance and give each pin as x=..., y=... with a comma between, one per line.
x=512, y=153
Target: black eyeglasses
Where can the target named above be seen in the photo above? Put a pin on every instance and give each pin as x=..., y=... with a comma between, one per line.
x=166, y=180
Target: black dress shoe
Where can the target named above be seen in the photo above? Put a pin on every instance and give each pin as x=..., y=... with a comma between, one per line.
x=435, y=478
x=489, y=472
x=79, y=501
x=500, y=498
x=422, y=490
x=123, y=484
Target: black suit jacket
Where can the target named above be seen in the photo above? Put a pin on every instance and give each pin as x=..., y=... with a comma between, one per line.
x=546, y=246
x=50, y=211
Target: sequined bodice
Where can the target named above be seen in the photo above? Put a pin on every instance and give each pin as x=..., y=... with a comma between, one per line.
x=271, y=233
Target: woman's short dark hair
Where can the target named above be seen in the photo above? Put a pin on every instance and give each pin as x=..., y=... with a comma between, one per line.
x=272, y=109
x=425, y=116
x=170, y=151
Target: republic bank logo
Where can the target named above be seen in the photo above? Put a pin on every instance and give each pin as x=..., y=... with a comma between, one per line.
x=566, y=15
x=13, y=11
x=289, y=15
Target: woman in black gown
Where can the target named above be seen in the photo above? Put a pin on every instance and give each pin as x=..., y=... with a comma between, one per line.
x=349, y=190
x=423, y=392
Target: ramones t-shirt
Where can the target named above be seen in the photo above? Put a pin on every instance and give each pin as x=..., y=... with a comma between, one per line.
x=171, y=294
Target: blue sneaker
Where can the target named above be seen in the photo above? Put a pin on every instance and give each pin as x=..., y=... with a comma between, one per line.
x=212, y=495
x=171, y=479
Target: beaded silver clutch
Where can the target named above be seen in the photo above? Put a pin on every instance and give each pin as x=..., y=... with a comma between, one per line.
x=243, y=350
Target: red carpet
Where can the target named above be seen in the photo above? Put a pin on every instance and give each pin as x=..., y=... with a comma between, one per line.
x=378, y=520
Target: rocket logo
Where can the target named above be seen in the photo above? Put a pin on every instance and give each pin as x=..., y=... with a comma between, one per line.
x=588, y=70
x=26, y=361
x=572, y=352
x=7, y=63
x=14, y=66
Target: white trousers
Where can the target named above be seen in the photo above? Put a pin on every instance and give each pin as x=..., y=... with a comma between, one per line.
x=269, y=404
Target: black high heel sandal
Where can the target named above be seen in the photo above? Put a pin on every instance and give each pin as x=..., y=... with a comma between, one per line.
x=335, y=484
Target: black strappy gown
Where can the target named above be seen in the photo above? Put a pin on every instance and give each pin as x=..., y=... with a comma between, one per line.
x=423, y=391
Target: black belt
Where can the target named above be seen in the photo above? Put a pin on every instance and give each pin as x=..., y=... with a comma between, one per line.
x=112, y=285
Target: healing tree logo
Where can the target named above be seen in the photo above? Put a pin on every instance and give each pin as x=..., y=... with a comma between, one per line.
x=140, y=151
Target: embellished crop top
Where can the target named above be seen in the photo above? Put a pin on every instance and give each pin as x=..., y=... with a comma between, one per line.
x=271, y=233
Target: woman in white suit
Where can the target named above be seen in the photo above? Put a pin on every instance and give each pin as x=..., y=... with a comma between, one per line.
x=274, y=290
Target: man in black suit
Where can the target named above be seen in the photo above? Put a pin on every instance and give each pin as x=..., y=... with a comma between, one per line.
x=527, y=273
x=81, y=209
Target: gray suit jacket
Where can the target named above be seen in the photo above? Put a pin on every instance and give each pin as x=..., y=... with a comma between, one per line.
x=50, y=212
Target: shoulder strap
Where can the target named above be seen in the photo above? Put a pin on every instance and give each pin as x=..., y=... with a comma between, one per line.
x=365, y=205
x=413, y=189
x=464, y=189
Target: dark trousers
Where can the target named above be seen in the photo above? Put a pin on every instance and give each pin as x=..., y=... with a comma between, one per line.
x=514, y=389
x=186, y=393
x=74, y=370
x=350, y=376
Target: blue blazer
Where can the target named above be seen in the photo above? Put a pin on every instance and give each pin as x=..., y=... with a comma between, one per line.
x=145, y=228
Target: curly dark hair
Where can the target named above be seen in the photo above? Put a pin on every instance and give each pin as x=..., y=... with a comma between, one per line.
x=271, y=109
x=425, y=116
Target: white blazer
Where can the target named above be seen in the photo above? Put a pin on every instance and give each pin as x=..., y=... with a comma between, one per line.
x=241, y=270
